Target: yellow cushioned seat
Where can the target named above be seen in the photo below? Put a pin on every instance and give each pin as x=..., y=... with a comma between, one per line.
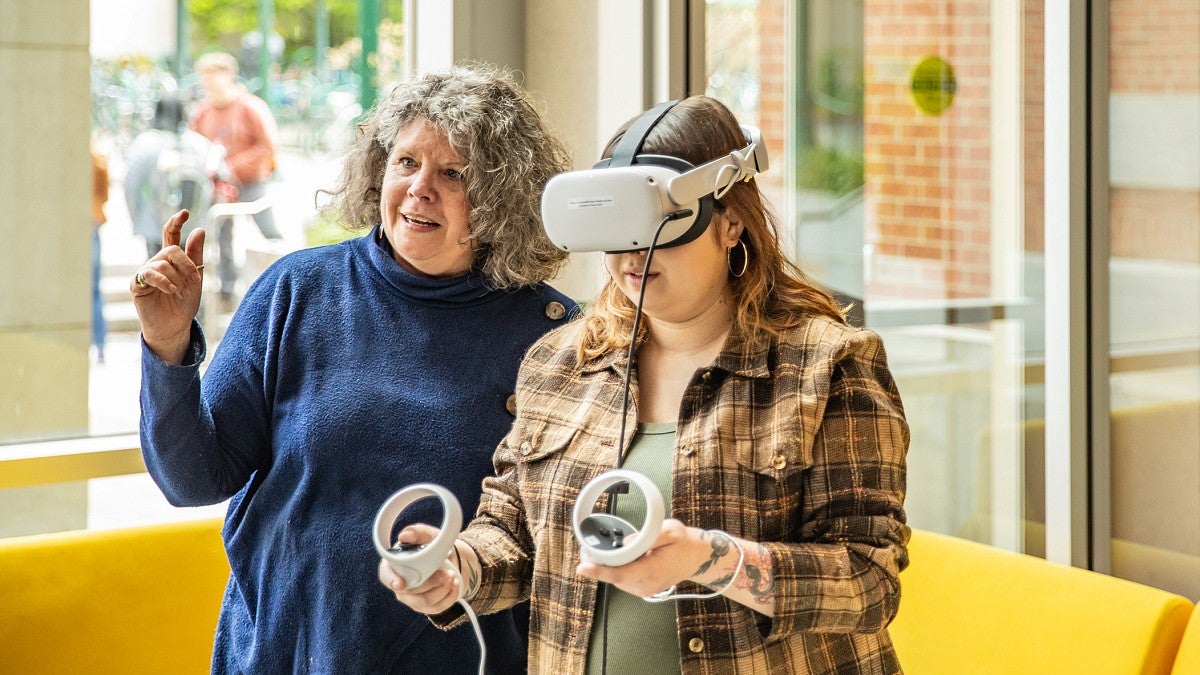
x=1187, y=662
x=970, y=608
x=134, y=600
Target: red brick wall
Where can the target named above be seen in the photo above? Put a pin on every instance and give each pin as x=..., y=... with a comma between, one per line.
x=773, y=92
x=927, y=177
x=1155, y=224
x=1033, y=83
x=772, y=59
x=1155, y=46
x=1155, y=49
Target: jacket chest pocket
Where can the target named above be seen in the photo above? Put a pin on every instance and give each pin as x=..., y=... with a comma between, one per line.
x=779, y=455
x=772, y=466
x=541, y=441
x=771, y=439
x=554, y=463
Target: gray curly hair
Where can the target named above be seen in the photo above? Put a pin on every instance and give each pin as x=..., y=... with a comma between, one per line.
x=509, y=154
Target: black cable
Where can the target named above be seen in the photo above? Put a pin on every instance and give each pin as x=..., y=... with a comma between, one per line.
x=637, y=317
x=614, y=491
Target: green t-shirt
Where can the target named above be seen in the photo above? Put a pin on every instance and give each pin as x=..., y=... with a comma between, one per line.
x=642, y=636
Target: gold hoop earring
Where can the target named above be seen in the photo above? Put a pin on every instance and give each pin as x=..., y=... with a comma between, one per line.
x=745, y=259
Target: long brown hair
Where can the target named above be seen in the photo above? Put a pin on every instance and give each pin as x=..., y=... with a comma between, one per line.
x=509, y=152
x=772, y=295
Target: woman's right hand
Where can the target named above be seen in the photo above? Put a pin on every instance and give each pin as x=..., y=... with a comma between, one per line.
x=166, y=291
x=440, y=590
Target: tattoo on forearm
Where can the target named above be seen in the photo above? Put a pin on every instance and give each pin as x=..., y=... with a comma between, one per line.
x=759, y=577
x=473, y=581
x=471, y=573
x=720, y=583
x=720, y=546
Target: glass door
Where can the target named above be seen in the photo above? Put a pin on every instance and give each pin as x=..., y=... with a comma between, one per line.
x=906, y=163
x=1153, y=207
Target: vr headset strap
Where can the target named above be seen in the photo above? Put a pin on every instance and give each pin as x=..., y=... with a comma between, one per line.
x=631, y=143
x=688, y=187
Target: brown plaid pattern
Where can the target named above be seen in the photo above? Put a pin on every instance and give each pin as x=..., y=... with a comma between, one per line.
x=799, y=444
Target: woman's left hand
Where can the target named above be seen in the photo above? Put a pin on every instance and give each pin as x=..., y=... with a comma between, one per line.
x=678, y=554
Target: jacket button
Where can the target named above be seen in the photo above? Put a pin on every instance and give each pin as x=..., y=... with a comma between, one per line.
x=555, y=310
x=687, y=450
x=525, y=448
x=696, y=645
x=511, y=405
x=706, y=375
x=780, y=462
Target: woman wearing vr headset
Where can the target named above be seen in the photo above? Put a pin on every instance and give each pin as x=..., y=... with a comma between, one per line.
x=352, y=370
x=773, y=429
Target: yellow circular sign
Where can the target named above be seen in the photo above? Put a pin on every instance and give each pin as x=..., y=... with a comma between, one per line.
x=933, y=85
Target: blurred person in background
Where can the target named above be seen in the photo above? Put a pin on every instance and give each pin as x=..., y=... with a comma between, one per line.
x=100, y=185
x=170, y=167
x=242, y=123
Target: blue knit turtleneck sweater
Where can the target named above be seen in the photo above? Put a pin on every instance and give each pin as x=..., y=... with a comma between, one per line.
x=341, y=379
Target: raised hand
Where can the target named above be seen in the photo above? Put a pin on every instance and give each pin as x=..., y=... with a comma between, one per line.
x=166, y=291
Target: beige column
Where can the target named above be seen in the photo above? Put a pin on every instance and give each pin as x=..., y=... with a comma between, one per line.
x=45, y=256
x=587, y=60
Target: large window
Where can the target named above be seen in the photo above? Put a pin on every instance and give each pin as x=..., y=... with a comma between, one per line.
x=911, y=181
x=908, y=143
x=897, y=199
x=69, y=411
x=1154, y=270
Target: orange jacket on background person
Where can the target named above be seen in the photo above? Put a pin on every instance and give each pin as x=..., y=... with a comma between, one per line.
x=99, y=187
x=247, y=130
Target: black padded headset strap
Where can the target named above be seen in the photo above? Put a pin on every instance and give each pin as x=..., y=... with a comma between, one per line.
x=631, y=143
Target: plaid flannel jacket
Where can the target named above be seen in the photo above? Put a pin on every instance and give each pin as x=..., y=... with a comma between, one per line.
x=798, y=444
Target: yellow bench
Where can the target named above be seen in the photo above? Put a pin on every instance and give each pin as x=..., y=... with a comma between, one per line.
x=135, y=600
x=145, y=600
x=1187, y=662
x=970, y=608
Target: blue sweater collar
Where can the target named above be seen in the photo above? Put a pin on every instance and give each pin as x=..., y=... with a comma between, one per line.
x=443, y=292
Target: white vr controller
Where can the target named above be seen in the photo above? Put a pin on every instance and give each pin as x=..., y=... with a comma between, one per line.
x=415, y=563
x=602, y=535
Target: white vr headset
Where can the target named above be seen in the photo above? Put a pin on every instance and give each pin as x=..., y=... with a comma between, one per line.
x=619, y=204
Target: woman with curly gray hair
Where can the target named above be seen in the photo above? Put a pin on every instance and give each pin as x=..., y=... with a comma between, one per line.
x=504, y=154
x=352, y=370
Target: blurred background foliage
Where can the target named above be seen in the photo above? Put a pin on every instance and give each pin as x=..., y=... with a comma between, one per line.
x=222, y=23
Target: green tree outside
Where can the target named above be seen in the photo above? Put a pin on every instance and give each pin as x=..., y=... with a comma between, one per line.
x=220, y=24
